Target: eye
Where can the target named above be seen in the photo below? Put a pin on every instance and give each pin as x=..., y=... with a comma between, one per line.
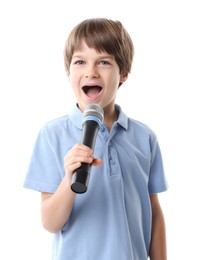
x=104, y=62
x=79, y=62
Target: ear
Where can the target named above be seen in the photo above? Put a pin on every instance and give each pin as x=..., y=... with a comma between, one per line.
x=68, y=75
x=123, y=77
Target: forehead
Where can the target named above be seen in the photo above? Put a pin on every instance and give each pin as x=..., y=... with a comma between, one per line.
x=83, y=48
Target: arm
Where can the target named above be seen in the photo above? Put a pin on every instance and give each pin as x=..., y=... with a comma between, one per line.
x=56, y=208
x=158, y=237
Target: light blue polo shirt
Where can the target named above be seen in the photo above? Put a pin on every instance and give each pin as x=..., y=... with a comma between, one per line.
x=112, y=220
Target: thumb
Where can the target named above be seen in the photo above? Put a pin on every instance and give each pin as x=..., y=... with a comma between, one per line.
x=97, y=162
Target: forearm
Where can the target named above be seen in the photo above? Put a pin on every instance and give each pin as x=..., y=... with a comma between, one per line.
x=56, y=208
x=158, y=239
x=158, y=249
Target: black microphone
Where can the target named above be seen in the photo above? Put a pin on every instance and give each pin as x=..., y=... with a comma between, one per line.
x=92, y=119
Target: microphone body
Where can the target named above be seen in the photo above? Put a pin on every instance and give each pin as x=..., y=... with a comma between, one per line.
x=92, y=119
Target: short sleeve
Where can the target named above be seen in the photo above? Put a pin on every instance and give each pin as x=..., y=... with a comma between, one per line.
x=157, y=180
x=43, y=172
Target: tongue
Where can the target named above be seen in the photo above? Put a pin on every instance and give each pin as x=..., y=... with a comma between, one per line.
x=93, y=92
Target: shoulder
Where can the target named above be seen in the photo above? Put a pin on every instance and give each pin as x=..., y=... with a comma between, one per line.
x=136, y=129
x=56, y=124
x=132, y=125
x=60, y=121
x=140, y=127
x=57, y=128
x=142, y=134
x=71, y=121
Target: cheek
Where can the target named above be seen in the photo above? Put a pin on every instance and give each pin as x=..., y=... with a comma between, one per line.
x=114, y=81
x=74, y=83
x=114, y=76
x=74, y=75
x=71, y=78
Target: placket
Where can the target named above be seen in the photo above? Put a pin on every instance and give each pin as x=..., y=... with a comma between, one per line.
x=110, y=155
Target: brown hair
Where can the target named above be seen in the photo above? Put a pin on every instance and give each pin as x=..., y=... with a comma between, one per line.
x=103, y=35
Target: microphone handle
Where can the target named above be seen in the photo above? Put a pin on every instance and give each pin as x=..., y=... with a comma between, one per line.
x=81, y=175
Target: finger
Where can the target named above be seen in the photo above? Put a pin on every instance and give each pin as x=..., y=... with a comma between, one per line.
x=82, y=147
x=79, y=153
x=71, y=168
x=79, y=150
x=97, y=162
x=77, y=158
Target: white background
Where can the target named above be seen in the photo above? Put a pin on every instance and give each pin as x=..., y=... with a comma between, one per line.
x=159, y=92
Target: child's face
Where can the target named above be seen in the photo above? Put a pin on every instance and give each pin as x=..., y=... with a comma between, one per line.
x=94, y=77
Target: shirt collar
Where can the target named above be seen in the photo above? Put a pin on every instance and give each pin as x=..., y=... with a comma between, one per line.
x=122, y=119
x=76, y=117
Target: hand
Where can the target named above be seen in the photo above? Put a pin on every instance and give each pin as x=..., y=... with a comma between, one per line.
x=76, y=156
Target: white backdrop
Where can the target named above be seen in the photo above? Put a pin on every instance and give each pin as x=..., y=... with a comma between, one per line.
x=159, y=92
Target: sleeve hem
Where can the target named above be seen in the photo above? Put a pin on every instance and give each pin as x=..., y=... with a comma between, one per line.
x=158, y=189
x=41, y=187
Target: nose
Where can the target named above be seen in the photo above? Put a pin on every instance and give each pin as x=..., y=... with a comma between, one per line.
x=91, y=72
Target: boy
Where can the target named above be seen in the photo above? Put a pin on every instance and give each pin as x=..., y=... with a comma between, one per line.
x=119, y=217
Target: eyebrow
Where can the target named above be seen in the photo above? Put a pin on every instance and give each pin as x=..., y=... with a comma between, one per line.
x=100, y=57
x=107, y=57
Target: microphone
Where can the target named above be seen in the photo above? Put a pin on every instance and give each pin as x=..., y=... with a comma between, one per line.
x=92, y=119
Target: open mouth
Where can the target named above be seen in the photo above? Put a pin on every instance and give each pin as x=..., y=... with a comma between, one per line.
x=92, y=91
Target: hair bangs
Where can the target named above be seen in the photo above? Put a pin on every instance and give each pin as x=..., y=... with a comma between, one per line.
x=96, y=35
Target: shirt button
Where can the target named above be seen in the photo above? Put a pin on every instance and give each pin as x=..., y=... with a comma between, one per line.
x=102, y=129
x=112, y=162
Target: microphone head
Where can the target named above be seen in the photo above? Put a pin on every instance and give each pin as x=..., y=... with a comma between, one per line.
x=93, y=112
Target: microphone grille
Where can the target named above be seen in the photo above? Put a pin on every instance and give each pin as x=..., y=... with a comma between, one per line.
x=94, y=110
